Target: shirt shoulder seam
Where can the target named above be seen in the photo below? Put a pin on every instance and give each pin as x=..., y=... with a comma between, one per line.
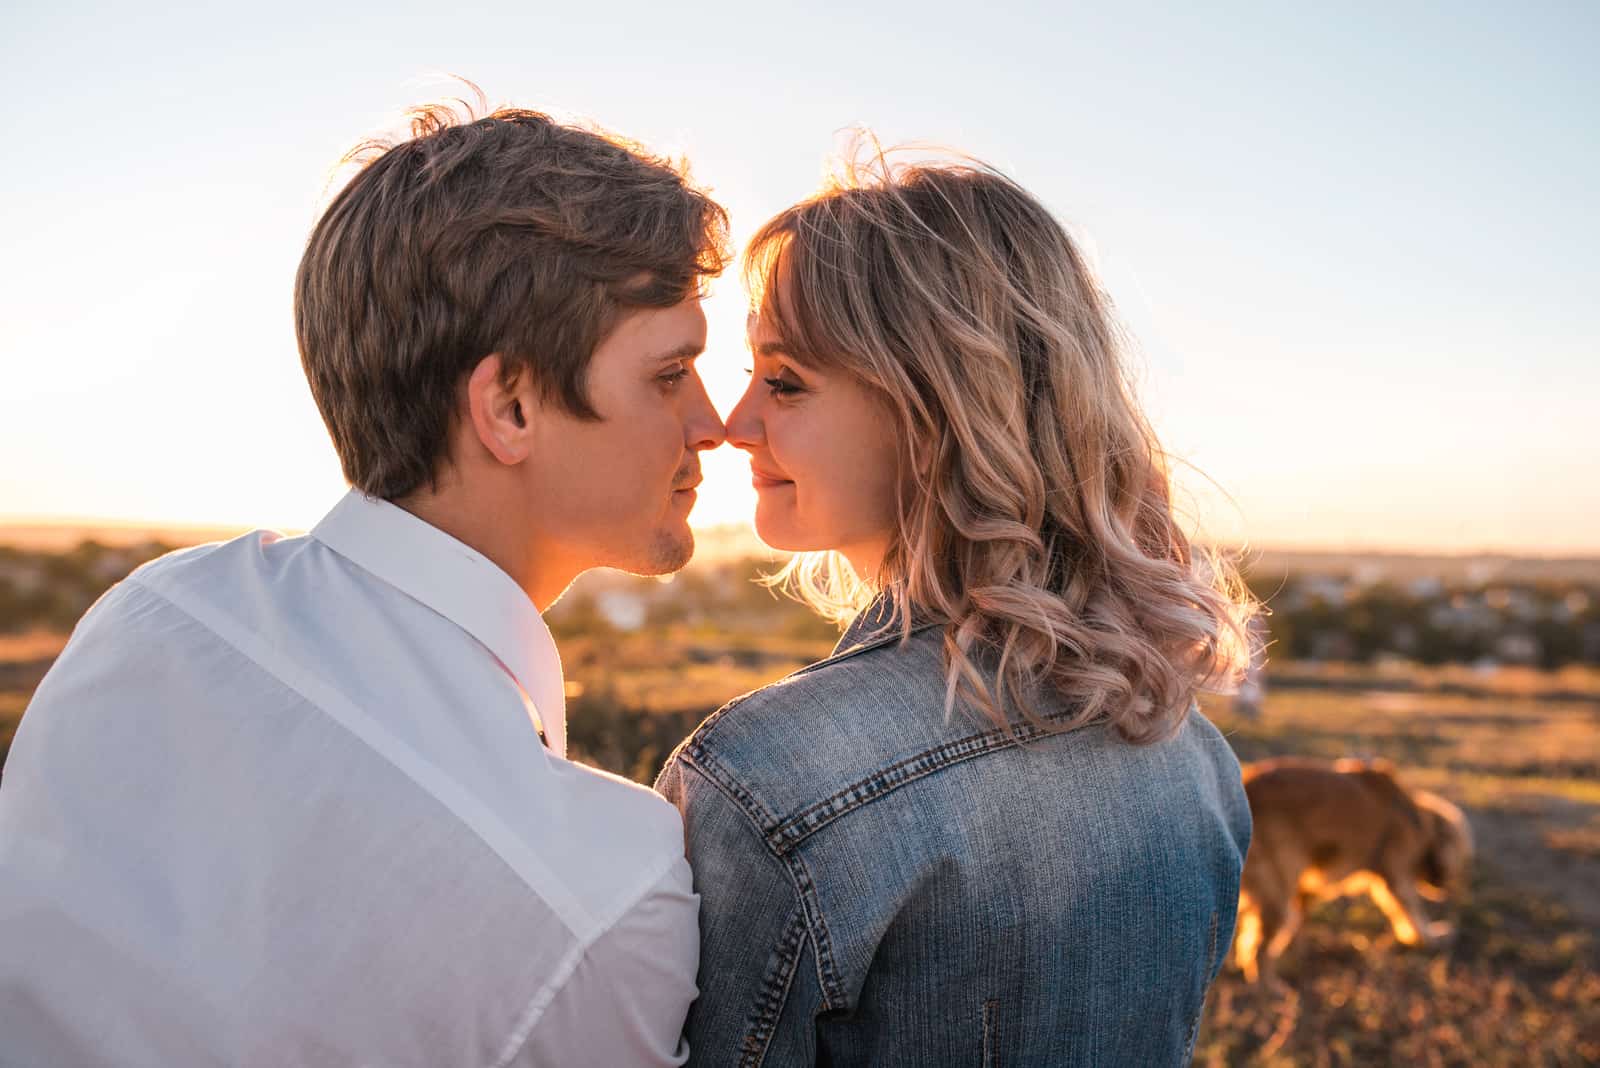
x=546, y=994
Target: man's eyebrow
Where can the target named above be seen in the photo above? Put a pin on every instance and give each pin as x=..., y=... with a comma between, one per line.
x=687, y=351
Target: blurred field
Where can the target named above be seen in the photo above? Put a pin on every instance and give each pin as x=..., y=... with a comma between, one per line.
x=1518, y=748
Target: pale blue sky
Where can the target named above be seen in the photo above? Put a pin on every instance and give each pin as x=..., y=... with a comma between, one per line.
x=1359, y=247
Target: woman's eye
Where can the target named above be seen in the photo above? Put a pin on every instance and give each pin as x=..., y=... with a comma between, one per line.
x=777, y=384
x=782, y=387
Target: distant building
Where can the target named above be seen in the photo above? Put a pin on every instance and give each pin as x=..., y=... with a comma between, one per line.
x=1252, y=692
x=1404, y=638
x=112, y=565
x=1425, y=587
x=23, y=576
x=1329, y=589
x=1332, y=645
x=622, y=608
x=1589, y=639
x=1368, y=573
x=1517, y=648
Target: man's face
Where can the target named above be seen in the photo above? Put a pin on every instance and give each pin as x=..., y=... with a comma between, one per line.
x=617, y=492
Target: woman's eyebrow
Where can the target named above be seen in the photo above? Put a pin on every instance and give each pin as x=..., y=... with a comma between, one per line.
x=772, y=348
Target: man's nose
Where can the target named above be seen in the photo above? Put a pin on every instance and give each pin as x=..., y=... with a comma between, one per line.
x=704, y=429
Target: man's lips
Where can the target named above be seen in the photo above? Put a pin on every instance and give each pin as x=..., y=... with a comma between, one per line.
x=689, y=477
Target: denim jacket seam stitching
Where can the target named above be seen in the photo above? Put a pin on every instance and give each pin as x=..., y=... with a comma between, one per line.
x=821, y=938
x=863, y=792
x=797, y=828
x=773, y=995
x=731, y=788
x=799, y=875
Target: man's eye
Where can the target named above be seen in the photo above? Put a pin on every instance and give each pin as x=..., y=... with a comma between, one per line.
x=672, y=378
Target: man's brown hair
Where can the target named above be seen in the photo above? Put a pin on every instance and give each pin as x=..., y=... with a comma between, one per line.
x=511, y=234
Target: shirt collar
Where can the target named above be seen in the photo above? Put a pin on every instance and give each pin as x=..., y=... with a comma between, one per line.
x=460, y=584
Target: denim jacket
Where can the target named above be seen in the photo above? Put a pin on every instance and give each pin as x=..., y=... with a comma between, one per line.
x=881, y=886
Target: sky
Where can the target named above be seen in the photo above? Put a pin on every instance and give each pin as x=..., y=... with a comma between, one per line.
x=1358, y=246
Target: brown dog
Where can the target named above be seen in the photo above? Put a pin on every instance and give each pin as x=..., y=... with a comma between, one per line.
x=1324, y=831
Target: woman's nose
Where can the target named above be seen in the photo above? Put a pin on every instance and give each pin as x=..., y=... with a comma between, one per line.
x=745, y=427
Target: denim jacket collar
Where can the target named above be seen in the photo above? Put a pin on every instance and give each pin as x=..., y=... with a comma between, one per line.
x=877, y=624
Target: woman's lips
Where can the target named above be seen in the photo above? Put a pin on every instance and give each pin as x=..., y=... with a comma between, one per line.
x=762, y=480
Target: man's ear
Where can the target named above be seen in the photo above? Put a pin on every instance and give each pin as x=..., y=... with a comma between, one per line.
x=497, y=410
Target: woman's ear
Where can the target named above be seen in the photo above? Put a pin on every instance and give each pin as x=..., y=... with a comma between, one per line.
x=497, y=410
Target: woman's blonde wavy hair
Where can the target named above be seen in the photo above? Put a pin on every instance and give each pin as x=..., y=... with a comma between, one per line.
x=1036, y=517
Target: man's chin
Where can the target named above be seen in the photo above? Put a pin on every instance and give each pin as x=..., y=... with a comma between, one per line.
x=669, y=550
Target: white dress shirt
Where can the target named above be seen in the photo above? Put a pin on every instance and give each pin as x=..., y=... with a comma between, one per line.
x=282, y=801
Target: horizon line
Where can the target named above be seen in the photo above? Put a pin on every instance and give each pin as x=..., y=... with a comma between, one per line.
x=68, y=523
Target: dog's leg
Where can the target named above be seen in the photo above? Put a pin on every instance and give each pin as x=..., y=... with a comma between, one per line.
x=1279, y=922
x=1247, y=938
x=1400, y=904
x=1411, y=900
x=1286, y=931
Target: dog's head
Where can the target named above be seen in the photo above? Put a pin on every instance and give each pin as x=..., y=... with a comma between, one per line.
x=1447, y=846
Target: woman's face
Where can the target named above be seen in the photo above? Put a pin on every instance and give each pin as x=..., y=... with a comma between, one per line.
x=823, y=456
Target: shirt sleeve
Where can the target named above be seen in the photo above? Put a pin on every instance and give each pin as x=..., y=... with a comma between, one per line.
x=625, y=1001
x=759, y=992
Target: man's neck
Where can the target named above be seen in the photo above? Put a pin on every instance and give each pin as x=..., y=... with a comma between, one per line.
x=501, y=533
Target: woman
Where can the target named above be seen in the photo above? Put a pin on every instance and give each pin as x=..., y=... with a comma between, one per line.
x=991, y=828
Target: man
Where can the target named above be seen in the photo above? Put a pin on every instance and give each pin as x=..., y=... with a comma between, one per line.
x=302, y=801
